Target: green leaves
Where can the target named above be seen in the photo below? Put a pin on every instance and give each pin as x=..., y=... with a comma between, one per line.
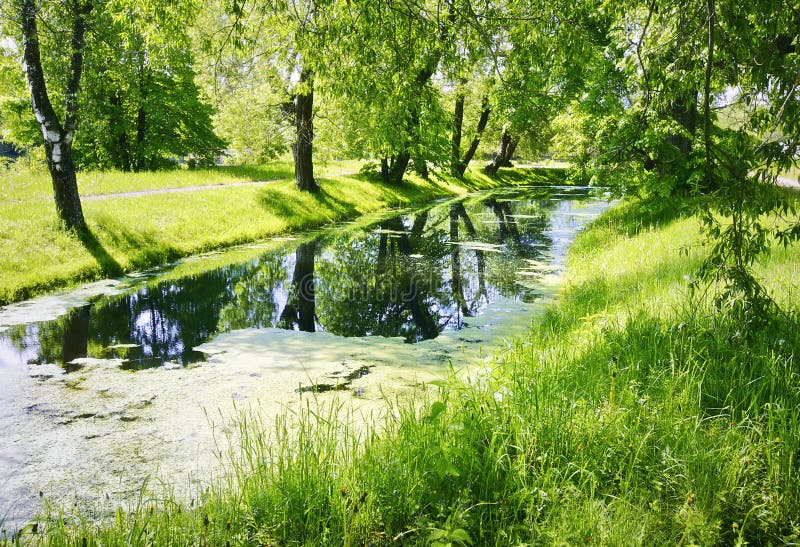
x=436, y=409
x=448, y=537
x=142, y=106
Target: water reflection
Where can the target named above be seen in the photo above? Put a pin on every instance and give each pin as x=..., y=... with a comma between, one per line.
x=411, y=276
x=299, y=311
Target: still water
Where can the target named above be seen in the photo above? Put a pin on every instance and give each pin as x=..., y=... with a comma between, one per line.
x=123, y=380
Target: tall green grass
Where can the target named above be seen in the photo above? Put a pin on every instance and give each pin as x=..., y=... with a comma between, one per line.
x=632, y=414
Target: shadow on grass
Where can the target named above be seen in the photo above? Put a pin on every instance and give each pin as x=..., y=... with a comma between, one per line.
x=632, y=218
x=108, y=265
x=478, y=180
x=345, y=197
x=283, y=170
x=412, y=190
x=543, y=175
x=303, y=209
x=142, y=250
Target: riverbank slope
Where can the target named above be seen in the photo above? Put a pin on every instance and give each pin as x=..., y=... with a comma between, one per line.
x=129, y=233
x=630, y=414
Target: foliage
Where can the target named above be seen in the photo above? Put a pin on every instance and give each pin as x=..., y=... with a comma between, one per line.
x=17, y=125
x=256, y=107
x=665, y=74
x=547, y=50
x=246, y=50
x=386, y=64
x=141, y=107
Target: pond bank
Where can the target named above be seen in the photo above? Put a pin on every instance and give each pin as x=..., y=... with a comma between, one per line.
x=625, y=416
x=132, y=233
x=132, y=383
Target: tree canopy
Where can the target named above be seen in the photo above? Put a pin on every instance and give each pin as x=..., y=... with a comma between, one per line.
x=650, y=97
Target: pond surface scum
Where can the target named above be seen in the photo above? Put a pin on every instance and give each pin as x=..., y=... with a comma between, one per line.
x=123, y=380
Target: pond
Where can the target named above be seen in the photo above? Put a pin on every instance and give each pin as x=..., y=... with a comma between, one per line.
x=120, y=380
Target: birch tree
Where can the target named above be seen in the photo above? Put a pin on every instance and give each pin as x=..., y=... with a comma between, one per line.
x=58, y=134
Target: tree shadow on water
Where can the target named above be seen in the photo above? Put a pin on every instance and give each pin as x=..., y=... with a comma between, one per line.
x=108, y=265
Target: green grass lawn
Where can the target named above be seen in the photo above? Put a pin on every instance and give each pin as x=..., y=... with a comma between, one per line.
x=132, y=233
x=27, y=185
x=631, y=414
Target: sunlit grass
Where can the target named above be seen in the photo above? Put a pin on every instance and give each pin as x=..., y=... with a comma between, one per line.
x=632, y=414
x=26, y=184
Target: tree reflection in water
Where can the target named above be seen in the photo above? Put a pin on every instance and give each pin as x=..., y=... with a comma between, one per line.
x=299, y=311
x=409, y=276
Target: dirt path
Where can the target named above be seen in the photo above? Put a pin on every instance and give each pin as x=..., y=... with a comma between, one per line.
x=177, y=190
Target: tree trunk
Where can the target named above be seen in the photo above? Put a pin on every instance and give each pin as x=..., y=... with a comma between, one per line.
x=456, y=282
x=304, y=136
x=455, y=142
x=140, y=162
x=124, y=151
x=497, y=162
x=380, y=264
x=421, y=167
x=402, y=240
x=300, y=308
x=506, y=225
x=502, y=228
x=141, y=135
x=304, y=273
x=682, y=109
x=65, y=183
x=480, y=257
x=385, y=169
x=122, y=157
x=512, y=147
x=462, y=212
x=709, y=165
x=419, y=224
x=76, y=335
x=476, y=140
x=511, y=224
x=420, y=313
x=393, y=169
x=57, y=138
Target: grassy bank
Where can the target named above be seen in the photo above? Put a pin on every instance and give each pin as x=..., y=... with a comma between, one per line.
x=133, y=233
x=630, y=415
